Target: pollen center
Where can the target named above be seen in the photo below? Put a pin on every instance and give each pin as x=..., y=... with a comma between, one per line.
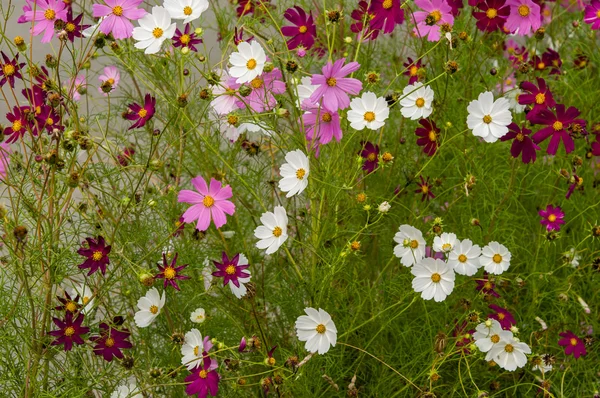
x=230, y=269
x=573, y=341
x=17, y=125
x=69, y=331
x=8, y=70
x=97, y=255
x=184, y=39
x=413, y=244
x=203, y=374
x=413, y=70
x=369, y=116
x=257, y=82
x=331, y=82
x=495, y=338
x=300, y=173
x=232, y=119
x=326, y=117
x=371, y=157
x=154, y=309
x=446, y=247
x=552, y=217
x=387, y=4
x=436, y=278
x=420, y=102
x=142, y=113
x=196, y=350
x=491, y=13
x=109, y=342
x=187, y=10
x=277, y=232
x=208, y=201
x=157, y=32
x=462, y=258
x=50, y=14
x=487, y=119
x=320, y=328
x=557, y=126
x=302, y=29
x=541, y=65
x=170, y=273
x=85, y=300
x=432, y=136
x=251, y=64
x=501, y=316
x=497, y=258
x=436, y=15
x=509, y=348
x=117, y=10
x=71, y=306
x=520, y=137
x=70, y=27
x=523, y=10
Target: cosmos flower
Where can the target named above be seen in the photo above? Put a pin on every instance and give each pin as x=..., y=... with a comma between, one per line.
x=109, y=78
x=445, y=243
x=592, y=14
x=85, y=296
x=193, y=348
x=77, y=87
x=154, y=29
x=417, y=101
x=414, y=70
x=435, y=14
x=486, y=285
x=495, y=258
x=488, y=334
x=74, y=27
x=488, y=118
x=321, y=125
x=208, y=203
x=18, y=124
x=317, y=329
x=361, y=15
x=187, y=38
x=188, y=10
x=294, y=173
x=224, y=92
x=117, y=16
x=110, y=342
x=539, y=96
x=503, y=316
x=424, y=189
x=203, y=380
x=368, y=111
x=141, y=114
x=429, y=136
x=573, y=344
x=198, y=315
x=68, y=304
x=434, y=279
x=552, y=218
x=234, y=270
x=97, y=252
x=558, y=122
x=333, y=87
x=387, y=14
x=370, y=154
x=492, y=16
x=464, y=257
x=304, y=30
x=149, y=308
x=411, y=245
x=10, y=69
x=248, y=62
x=261, y=97
x=170, y=272
x=273, y=233
x=522, y=143
x=524, y=17
x=509, y=354
x=47, y=12
x=69, y=331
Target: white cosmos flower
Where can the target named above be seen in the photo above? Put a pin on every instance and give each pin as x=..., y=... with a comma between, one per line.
x=248, y=62
x=513, y=100
x=509, y=354
x=273, y=232
x=305, y=90
x=198, y=316
x=495, y=258
x=411, y=245
x=445, y=242
x=86, y=296
x=417, y=101
x=150, y=306
x=154, y=29
x=317, y=329
x=433, y=278
x=541, y=365
x=464, y=258
x=255, y=128
x=126, y=391
x=489, y=333
x=368, y=111
x=488, y=118
x=192, y=349
x=241, y=291
x=207, y=274
x=93, y=29
x=188, y=10
x=295, y=173
x=225, y=94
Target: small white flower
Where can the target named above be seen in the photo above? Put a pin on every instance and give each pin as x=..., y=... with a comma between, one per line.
x=192, y=349
x=241, y=291
x=572, y=257
x=228, y=234
x=154, y=29
x=411, y=245
x=305, y=90
x=417, y=101
x=126, y=391
x=295, y=173
x=188, y=10
x=510, y=354
x=489, y=333
x=495, y=258
x=198, y=316
x=86, y=296
x=255, y=128
x=150, y=306
x=384, y=207
x=368, y=111
x=488, y=118
x=445, y=242
x=513, y=100
x=433, y=278
x=273, y=232
x=317, y=329
x=541, y=365
x=465, y=258
x=248, y=62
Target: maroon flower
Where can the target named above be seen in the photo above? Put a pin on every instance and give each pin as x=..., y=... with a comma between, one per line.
x=19, y=123
x=238, y=36
x=141, y=114
x=69, y=331
x=503, y=316
x=464, y=337
x=10, y=69
x=429, y=136
x=425, y=189
x=551, y=59
x=74, y=27
x=573, y=344
x=187, y=38
x=180, y=225
x=388, y=14
x=361, y=15
x=304, y=30
x=97, y=255
x=412, y=70
x=245, y=7
x=68, y=304
x=576, y=183
x=557, y=127
x=493, y=15
x=456, y=6
x=370, y=153
x=229, y=270
x=110, y=342
x=539, y=96
x=170, y=272
x=486, y=285
x=522, y=143
x=125, y=157
x=203, y=381
x=552, y=218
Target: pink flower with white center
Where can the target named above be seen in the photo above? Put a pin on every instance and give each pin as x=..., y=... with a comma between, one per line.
x=263, y=87
x=109, y=80
x=334, y=87
x=435, y=14
x=208, y=203
x=225, y=94
x=118, y=14
x=46, y=13
x=524, y=17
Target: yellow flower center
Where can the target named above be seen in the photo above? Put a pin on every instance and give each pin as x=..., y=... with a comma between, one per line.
x=520, y=137
x=552, y=218
x=8, y=70
x=157, y=32
x=420, y=102
x=232, y=119
x=557, y=126
x=251, y=64
x=203, y=374
x=509, y=348
x=495, y=338
x=413, y=244
x=154, y=309
x=86, y=300
x=371, y=157
x=271, y=361
x=573, y=341
x=170, y=272
x=208, y=201
x=302, y=29
x=97, y=255
x=497, y=258
x=117, y=11
x=540, y=98
x=184, y=39
x=326, y=117
x=109, y=342
x=142, y=113
x=187, y=10
x=491, y=13
x=424, y=189
x=501, y=316
x=413, y=70
x=321, y=328
x=50, y=14
x=462, y=258
x=487, y=285
x=71, y=306
x=487, y=119
x=277, y=232
x=49, y=121
x=369, y=116
x=541, y=65
x=256, y=83
x=598, y=14
x=69, y=331
x=300, y=173
x=446, y=247
x=196, y=350
x=432, y=136
x=70, y=27
x=230, y=269
x=436, y=15
x=17, y=125
x=523, y=10
x=387, y=4
x=331, y=82
x=436, y=278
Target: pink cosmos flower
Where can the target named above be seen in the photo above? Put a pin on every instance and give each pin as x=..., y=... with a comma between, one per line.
x=552, y=218
x=263, y=87
x=118, y=14
x=321, y=125
x=573, y=344
x=110, y=78
x=141, y=114
x=436, y=13
x=209, y=203
x=524, y=17
x=492, y=16
x=225, y=94
x=387, y=14
x=77, y=87
x=46, y=13
x=304, y=30
x=334, y=87
x=592, y=14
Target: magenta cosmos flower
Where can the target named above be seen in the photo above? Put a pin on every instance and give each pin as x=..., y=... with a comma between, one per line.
x=69, y=331
x=321, y=125
x=334, y=87
x=492, y=16
x=412, y=70
x=370, y=153
x=73, y=26
x=171, y=272
x=425, y=189
x=47, y=12
x=592, y=14
x=110, y=342
x=436, y=13
x=573, y=344
x=109, y=80
x=187, y=38
x=10, y=69
x=524, y=17
x=486, y=285
x=552, y=218
x=429, y=136
x=304, y=30
x=209, y=203
x=522, y=143
x=141, y=114
x=117, y=15
x=557, y=123
x=19, y=124
x=538, y=96
x=362, y=15
x=97, y=255
x=229, y=270
x=503, y=316
x=203, y=380
x=387, y=14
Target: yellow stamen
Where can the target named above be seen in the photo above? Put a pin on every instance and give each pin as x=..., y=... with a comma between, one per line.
x=208, y=201
x=413, y=244
x=331, y=82
x=326, y=117
x=70, y=27
x=187, y=10
x=184, y=39
x=302, y=29
x=523, y=10
x=462, y=258
x=142, y=113
x=97, y=255
x=557, y=126
x=117, y=11
x=154, y=309
x=321, y=328
x=157, y=32
x=509, y=348
x=251, y=64
x=540, y=98
x=256, y=83
x=497, y=258
x=487, y=119
x=8, y=70
x=17, y=126
x=69, y=331
x=230, y=269
x=420, y=102
x=169, y=272
x=436, y=278
x=491, y=13
x=369, y=116
x=277, y=232
x=109, y=342
x=552, y=218
x=300, y=173
x=50, y=14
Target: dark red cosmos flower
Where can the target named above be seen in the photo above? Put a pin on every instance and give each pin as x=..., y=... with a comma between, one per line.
x=522, y=143
x=141, y=114
x=245, y=7
x=97, y=255
x=170, y=272
x=10, y=69
x=110, y=342
x=493, y=15
x=503, y=316
x=229, y=270
x=464, y=337
x=125, y=157
x=68, y=304
x=187, y=38
x=576, y=182
x=539, y=96
x=388, y=14
x=596, y=147
x=551, y=59
x=486, y=285
x=203, y=381
x=238, y=36
x=304, y=30
x=456, y=6
x=429, y=135
x=19, y=124
x=573, y=344
x=557, y=127
x=69, y=331
x=425, y=189
x=370, y=153
x=74, y=27
x=362, y=15
x=413, y=69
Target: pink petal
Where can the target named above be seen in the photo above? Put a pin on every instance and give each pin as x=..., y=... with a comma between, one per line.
x=193, y=213
x=226, y=206
x=203, y=219
x=225, y=193
x=218, y=216
x=188, y=196
x=200, y=185
x=215, y=187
